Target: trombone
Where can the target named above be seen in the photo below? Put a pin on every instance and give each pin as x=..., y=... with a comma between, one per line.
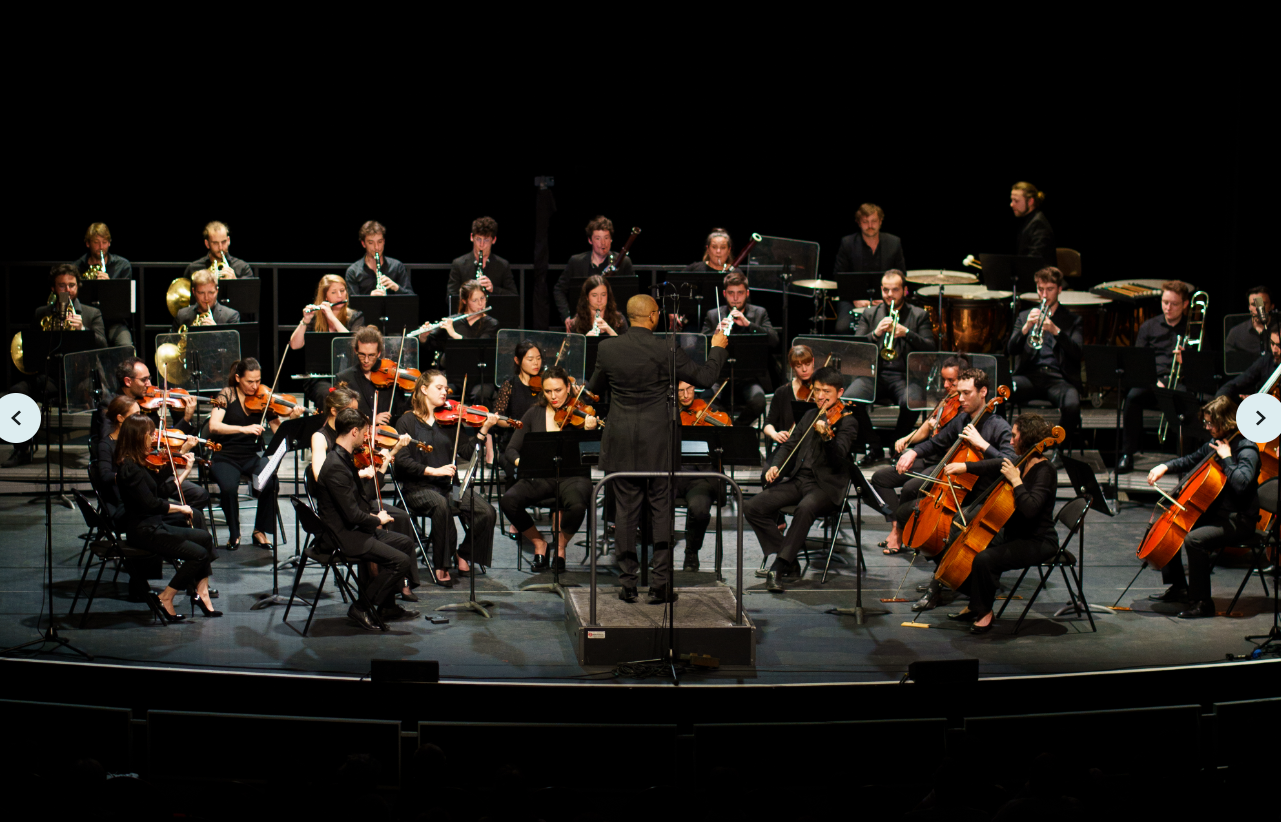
x=1192, y=339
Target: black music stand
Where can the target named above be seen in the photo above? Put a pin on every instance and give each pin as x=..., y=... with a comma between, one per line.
x=473, y=359
x=1124, y=368
x=390, y=313
x=1084, y=483
x=1181, y=406
x=243, y=295
x=1002, y=272
x=116, y=299
x=748, y=361
x=292, y=435
x=40, y=349
x=861, y=489
x=248, y=333
x=554, y=455
x=318, y=353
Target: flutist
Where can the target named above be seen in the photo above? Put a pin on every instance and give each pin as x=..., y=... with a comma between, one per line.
x=205, y=310
x=1047, y=342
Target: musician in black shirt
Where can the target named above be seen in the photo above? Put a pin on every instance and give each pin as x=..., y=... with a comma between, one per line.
x=1160, y=333
x=327, y=314
x=1051, y=371
x=697, y=491
x=98, y=243
x=1035, y=237
x=216, y=259
x=1253, y=378
x=375, y=273
x=718, y=253
x=491, y=271
x=516, y=396
x=367, y=346
x=739, y=316
x=1250, y=337
x=597, y=313
x=871, y=249
x=600, y=236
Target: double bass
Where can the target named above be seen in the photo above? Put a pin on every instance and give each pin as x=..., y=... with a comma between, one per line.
x=986, y=523
x=928, y=527
x=1194, y=495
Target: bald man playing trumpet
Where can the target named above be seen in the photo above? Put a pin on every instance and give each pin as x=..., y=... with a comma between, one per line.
x=635, y=369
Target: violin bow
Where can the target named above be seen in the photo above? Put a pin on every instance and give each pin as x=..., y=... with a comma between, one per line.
x=378, y=491
x=274, y=383
x=454, y=459
x=395, y=377
x=818, y=416
x=707, y=406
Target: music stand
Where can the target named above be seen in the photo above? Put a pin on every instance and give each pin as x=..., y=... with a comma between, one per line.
x=704, y=446
x=1084, y=484
x=1002, y=272
x=39, y=348
x=1199, y=373
x=1124, y=368
x=390, y=313
x=291, y=435
x=318, y=358
x=861, y=488
x=1182, y=406
x=858, y=285
x=243, y=295
x=473, y=359
x=748, y=360
x=554, y=455
x=505, y=308
x=116, y=299
x=569, y=348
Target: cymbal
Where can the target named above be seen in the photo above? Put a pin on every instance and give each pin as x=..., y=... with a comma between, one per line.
x=829, y=285
x=941, y=278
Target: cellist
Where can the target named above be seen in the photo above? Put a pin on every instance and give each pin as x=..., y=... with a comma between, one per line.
x=1226, y=521
x=1028, y=536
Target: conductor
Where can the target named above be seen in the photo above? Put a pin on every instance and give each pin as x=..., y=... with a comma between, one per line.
x=635, y=368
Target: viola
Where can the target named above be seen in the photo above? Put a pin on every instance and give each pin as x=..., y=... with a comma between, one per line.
x=387, y=373
x=280, y=404
x=160, y=458
x=1196, y=493
x=386, y=437
x=174, y=438
x=361, y=457
x=699, y=412
x=573, y=413
x=978, y=533
x=473, y=415
x=803, y=393
x=930, y=524
x=174, y=398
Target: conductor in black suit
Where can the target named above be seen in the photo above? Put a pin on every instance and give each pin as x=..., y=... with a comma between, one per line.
x=1053, y=371
x=204, y=296
x=1036, y=237
x=871, y=249
x=634, y=367
x=342, y=505
x=814, y=469
x=748, y=319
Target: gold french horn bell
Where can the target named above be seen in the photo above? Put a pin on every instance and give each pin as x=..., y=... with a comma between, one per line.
x=15, y=353
x=178, y=296
x=171, y=359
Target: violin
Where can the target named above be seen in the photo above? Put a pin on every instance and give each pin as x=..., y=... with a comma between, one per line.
x=574, y=412
x=160, y=458
x=361, y=457
x=387, y=373
x=386, y=437
x=945, y=411
x=473, y=415
x=803, y=393
x=930, y=524
x=280, y=404
x=536, y=385
x=996, y=510
x=1194, y=495
x=174, y=398
x=699, y=412
x=173, y=438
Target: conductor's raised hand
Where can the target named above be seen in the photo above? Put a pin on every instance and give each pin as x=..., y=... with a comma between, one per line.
x=719, y=340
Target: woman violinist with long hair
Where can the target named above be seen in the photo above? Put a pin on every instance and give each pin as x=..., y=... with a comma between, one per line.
x=1228, y=519
x=517, y=395
x=779, y=420
x=158, y=525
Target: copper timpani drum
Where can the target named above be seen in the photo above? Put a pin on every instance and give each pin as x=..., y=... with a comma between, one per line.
x=1133, y=302
x=974, y=319
x=1091, y=308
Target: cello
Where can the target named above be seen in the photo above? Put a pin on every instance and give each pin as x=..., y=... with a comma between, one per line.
x=995, y=510
x=928, y=527
x=1194, y=495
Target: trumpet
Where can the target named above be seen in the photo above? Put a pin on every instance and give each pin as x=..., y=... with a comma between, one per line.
x=1037, y=338
x=92, y=272
x=972, y=261
x=888, y=352
x=1192, y=339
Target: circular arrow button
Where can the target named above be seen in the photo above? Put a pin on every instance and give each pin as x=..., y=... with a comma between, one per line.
x=20, y=418
x=1259, y=417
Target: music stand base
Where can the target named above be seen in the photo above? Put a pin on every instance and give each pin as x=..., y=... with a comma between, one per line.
x=555, y=587
x=267, y=600
x=477, y=607
x=46, y=638
x=859, y=613
x=1098, y=609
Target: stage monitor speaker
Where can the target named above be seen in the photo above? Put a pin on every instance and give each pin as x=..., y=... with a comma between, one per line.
x=405, y=670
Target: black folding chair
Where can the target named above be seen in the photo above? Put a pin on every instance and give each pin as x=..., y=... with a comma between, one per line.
x=319, y=538
x=1071, y=515
x=1260, y=541
x=108, y=547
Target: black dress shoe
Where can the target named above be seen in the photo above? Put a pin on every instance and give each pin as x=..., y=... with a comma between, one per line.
x=982, y=629
x=232, y=545
x=362, y=617
x=659, y=596
x=393, y=612
x=1196, y=610
x=628, y=594
x=1172, y=594
x=772, y=584
x=445, y=583
x=1125, y=464
x=931, y=599
x=691, y=562
x=790, y=572
x=204, y=609
x=539, y=564
x=558, y=565
x=408, y=597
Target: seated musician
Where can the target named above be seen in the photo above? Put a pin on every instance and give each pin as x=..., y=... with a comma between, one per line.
x=813, y=480
x=377, y=274
x=205, y=308
x=888, y=479
x=133, y=379
x=156, y=524
x=1053, y=371
x=779, y=421
x=327, y=314
x=697, y=491
x=322, y=442
x=745, y=318
x=238, y=430
x=102, y=477
x=869, y=250
x=98, y=243
x=1028, y=536
x=718, y=254
x=1036, y=236
x=597, y=313
x=496, y=275
x=427, y=479
x=1159, y=333
x=515, y=397
x=217, y=259
x=600, y=236
x=1230, y=518
x=1250, y=337
x=472, y=298
x=1251, y=380
x=355, y=519
x=367, y=346
x=572, y=493
x=912, y=332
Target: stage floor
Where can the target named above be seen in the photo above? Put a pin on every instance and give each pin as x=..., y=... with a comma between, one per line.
x=527, y=639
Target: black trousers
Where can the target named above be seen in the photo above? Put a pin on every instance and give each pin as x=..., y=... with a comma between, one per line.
x=478, y=517
x=226, y=472
x=890, y=385
x=1049, y=384
x=907, y=500
x=118, y=334
x=887, y=481
x=761, y=512
x=698, y=509
x=630, y=497
x=998, y=557
x=571, y=497
x=1132, y=418
x=1212, y=532
x=192, y=547
x=749, y=400
x=393, y=554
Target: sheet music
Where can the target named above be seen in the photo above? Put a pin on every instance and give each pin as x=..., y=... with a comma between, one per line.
x=273, y=463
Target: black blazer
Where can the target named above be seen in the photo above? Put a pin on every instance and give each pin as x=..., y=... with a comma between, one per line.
x=634, y=369
x=90, y=317
x=827, y=460
x=889, y=254
x=463, y=270
x=222, y=315
x=757, y=321
x=1249, y=380
x=1036, y=238
x=342, y=504
x=1066, y=346
x=919, y=337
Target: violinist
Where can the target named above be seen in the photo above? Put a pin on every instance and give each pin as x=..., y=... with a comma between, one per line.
x=427, y=479
x=375, y=273
x=204, y=293
x=102, y=477
x=746, y=319
x=370, y=477
x=1253, y=378
x=495, y=273
x=327, y=314
x=1228, y=520
x=355, y=519
x=1028, y=537
x=238, y=430
x=888, y=479
x=779, y=421
x=573, y=493
x=697, y=491
x=515, y=397
x=161, y=526
x=809, y=471
x=217, y=243
x=367, y=345
x=597, y=313
x=133, y=380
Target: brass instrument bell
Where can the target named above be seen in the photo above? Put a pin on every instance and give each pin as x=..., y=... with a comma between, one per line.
x=15, y=353
x=171, y=359
x=178, y=296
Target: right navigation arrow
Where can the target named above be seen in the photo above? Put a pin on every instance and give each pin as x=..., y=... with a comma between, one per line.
x=1261, y=417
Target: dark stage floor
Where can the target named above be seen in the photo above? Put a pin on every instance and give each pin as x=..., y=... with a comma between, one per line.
x=797, y=642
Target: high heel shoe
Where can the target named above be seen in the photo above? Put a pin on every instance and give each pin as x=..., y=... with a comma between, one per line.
x=161, y=611
x=539, y=564
x=204, y=609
